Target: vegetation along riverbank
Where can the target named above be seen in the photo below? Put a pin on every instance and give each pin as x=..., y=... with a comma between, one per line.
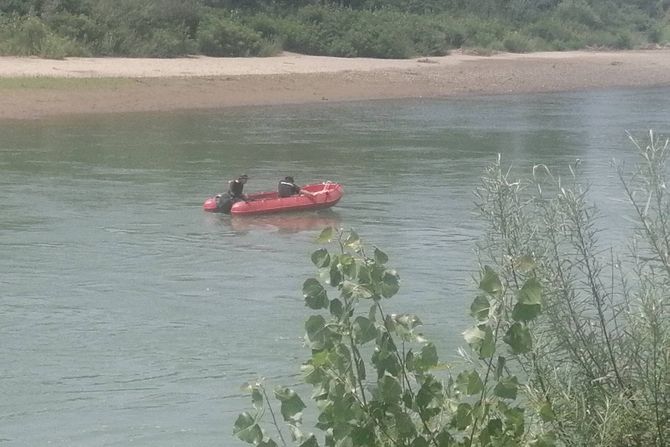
x=344, y=28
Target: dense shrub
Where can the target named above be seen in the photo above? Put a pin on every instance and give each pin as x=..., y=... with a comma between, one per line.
x=223, y=37
x=373, y=28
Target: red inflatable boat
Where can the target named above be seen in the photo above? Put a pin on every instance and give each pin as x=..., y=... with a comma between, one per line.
x=320, y=195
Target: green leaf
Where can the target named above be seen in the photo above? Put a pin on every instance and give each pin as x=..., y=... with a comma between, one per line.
x=546, y=412
x=469, y=382
x=531, y=292
x=267, y=443
x=310, y=442
x=380, y=256
x=507, y=388
x=389, y=389
x=336, y=308
x=420, y=441
x=326, y=235
x=473, y=336
x=315, y=295
x=500, y=366
x=427, y=358
x=480, y=308
x=257, y=398
x=544, y=440
x=390, y=283
x=404, y=425
x=364, y=330
x=490, y=283
x=314, y=326
x=321, y=258
x=524, y=264
x=335, y=275
x=480, y=339
x=429, y=393
x=518, y=338
x=526, y=312
x=353, y=241
x=291, y=404
x=463, y=417
x=247, y=429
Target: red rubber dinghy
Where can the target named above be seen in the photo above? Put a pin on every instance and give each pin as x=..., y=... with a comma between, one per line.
x=324, y=195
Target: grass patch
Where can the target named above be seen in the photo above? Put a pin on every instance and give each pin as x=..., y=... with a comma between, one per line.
x=49, y=83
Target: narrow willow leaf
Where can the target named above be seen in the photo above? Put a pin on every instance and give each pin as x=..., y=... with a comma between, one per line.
x=490, y=283
x=315, y=295
x=507, y=388
x=518, y=338
x=326, y=235
x=321, y=258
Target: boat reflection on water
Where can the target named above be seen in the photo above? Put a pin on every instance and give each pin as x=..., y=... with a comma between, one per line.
x=287, y=222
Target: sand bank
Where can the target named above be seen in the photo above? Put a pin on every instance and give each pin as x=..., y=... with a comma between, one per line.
x=133, y=85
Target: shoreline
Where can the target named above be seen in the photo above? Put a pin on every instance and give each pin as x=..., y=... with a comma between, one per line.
x=32, y=88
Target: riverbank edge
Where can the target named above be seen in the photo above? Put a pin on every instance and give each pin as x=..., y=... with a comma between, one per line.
x=33, y=88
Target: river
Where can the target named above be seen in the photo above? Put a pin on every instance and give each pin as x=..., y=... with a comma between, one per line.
x=131, y=317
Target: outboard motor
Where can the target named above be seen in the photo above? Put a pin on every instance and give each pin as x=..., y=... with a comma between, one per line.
x=224, y=202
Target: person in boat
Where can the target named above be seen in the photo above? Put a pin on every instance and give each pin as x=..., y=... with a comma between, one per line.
x=235, y=194
x=236, y=187
x=288, y=188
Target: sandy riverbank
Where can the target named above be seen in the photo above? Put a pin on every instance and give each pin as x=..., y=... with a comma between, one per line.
x=33, y=88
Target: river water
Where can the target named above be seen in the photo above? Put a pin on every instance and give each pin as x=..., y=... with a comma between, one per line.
x=130, y=317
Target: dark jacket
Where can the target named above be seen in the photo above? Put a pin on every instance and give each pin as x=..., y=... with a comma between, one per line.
x=287, y=189
x=235, y=189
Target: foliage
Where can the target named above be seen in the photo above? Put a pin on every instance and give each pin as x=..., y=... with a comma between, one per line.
x=375, y=28
x=376, y=380
x=602, y=359
x=570, y=345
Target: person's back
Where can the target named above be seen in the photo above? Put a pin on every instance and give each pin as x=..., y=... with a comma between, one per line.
x=236, y=187
x=287, y=187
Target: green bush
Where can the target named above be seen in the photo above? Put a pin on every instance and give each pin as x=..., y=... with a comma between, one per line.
x=167, y=43
x=518, y=43
x=223, y=37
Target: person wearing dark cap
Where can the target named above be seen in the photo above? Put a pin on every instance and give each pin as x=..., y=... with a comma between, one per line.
x=235, y=194
x=288, y=188
x=236, y=187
